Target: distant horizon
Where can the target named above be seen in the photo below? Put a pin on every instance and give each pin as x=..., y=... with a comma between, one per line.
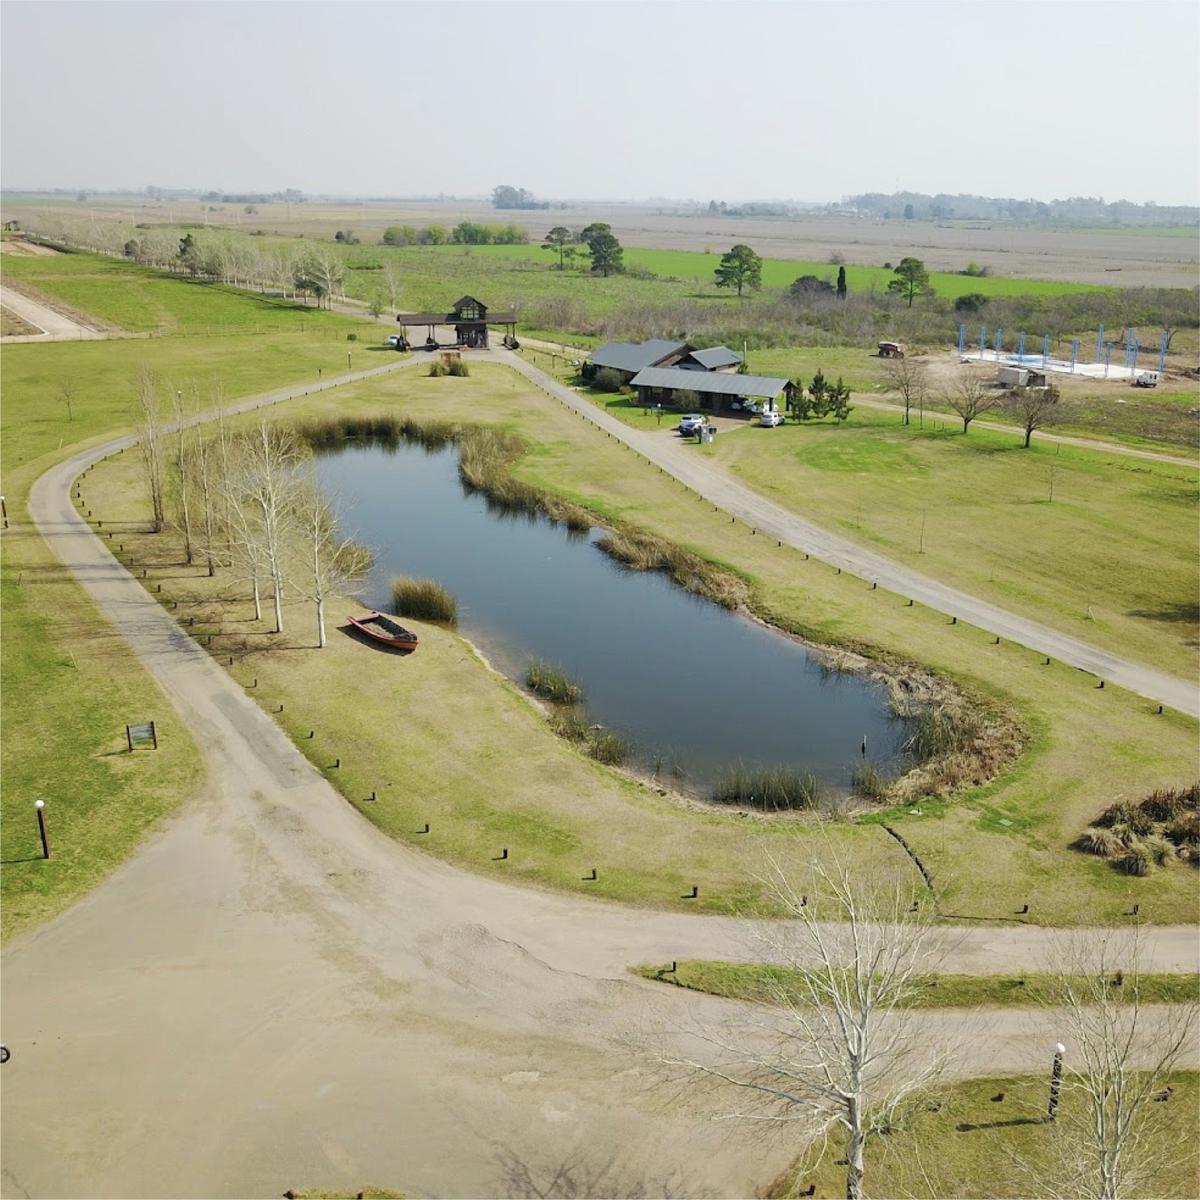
x=200, y=191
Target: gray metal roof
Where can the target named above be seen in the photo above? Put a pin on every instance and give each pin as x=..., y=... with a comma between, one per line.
x=715, y=357
x=633, y=356
x=708, y=382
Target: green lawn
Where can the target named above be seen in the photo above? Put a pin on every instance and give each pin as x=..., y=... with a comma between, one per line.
x=69, y=684
x=766, y=984
x=957, y=1141
x=1111, y=560
x=992, y=849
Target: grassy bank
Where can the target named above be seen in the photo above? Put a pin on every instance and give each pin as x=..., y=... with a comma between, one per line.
x=991, y=850
x=957, y=1142
x=766, y=984
x=1110, y=560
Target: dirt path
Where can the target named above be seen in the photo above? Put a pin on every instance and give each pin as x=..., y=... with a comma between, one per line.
x=716, y=485
x=54, y=326
x=274, y=994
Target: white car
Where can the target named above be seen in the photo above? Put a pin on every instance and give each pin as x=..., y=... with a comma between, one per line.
x=770, y=418
x=691, y=425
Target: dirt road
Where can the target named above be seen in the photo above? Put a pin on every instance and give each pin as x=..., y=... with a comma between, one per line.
x=54, y=326
x=273, y=994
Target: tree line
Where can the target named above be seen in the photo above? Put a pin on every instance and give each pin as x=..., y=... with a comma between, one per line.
x=245, y=502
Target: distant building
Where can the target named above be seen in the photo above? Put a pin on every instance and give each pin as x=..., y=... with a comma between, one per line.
x=469, y=318
x=628, y=358
x=714, y=390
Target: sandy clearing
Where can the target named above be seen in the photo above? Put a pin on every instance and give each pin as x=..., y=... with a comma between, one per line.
x=26, y=249
x=273, y=993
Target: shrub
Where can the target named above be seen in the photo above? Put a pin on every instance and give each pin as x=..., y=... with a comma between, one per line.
x=1162, y=805
x=1102, y=842
x=1136, y=860
x=1159, y=848
x=773, y=789
x=607, y=380
x=437, y=370
x=1185, y=829
x=1124, y=813
x=552, y=683
x=458, y=368
x=423, y=599
x=352, y=337
x=870, y=783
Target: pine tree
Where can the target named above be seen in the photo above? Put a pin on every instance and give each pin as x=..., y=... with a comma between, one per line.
x=841, y=283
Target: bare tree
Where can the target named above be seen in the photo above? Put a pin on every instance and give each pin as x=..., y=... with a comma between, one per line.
x=331, y=563
x=834, y=1050
x=209, y=464
x=181, y=462
x=150, y=445
x=971, y=397
x=1032, y=407
x=265, y=490
x=910, y=378
x=66, y=393
x=1119, y=1053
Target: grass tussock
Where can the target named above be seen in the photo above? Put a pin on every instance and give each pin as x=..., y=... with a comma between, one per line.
x=552, y=683
x=868, y=782
x=424, y=600
x=603, y=745
x=641, y=551
x=1136, y=838
x=772, y=789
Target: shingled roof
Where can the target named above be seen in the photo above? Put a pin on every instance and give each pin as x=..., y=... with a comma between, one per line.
x=710, y=383
x=634, y=356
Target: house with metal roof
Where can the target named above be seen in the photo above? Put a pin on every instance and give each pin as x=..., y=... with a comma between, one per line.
x=714, y=389
x=628, y=358
x=715, y=358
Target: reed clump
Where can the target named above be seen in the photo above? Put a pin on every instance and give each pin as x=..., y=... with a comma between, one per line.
x=603, y=745
x=868, y=782
x=772, y=789
x=424, y=600
x=1137, y=837
x=552, y=683
x=641, y=551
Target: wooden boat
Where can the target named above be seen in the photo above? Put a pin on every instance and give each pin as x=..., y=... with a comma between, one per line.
x=383, y=629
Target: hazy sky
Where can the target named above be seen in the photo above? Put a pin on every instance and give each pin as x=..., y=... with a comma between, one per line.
x=807, y=101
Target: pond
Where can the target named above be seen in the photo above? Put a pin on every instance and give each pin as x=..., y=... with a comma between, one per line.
x=695, y=689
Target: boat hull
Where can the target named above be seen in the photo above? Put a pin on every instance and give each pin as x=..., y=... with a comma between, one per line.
x=397, y=636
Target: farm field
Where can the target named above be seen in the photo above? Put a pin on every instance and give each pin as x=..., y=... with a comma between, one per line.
x=1109, y=560
x=995, y=847
x=70, y=684
x=955, y=1142
x=1104, y=256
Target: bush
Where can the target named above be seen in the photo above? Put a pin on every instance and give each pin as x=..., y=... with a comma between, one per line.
x=458, y=368
x=552, y=683
x=437, y=370
x=870, y=783
x=773, y=789
x=1122, y=813
x=424, y=600
x=1102, y=842
x=1185, y=830
x=1137, y=860
x=352, y=337
x=1159, y=848
x=1162, y=805
x=607, y=380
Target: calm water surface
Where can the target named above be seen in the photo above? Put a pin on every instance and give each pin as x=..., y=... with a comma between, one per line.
x=681, y=678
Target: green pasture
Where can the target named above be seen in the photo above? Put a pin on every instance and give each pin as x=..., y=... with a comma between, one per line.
x=144, y=300
x=1110, y=559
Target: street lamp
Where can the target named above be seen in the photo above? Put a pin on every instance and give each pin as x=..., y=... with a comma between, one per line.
x=40, y=805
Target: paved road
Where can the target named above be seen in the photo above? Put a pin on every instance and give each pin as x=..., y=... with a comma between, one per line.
x=716, y=485
x=273, y=994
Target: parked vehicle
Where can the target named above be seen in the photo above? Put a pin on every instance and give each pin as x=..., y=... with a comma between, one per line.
x=770, y=418
x=691, y=425
x=1146, y=379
